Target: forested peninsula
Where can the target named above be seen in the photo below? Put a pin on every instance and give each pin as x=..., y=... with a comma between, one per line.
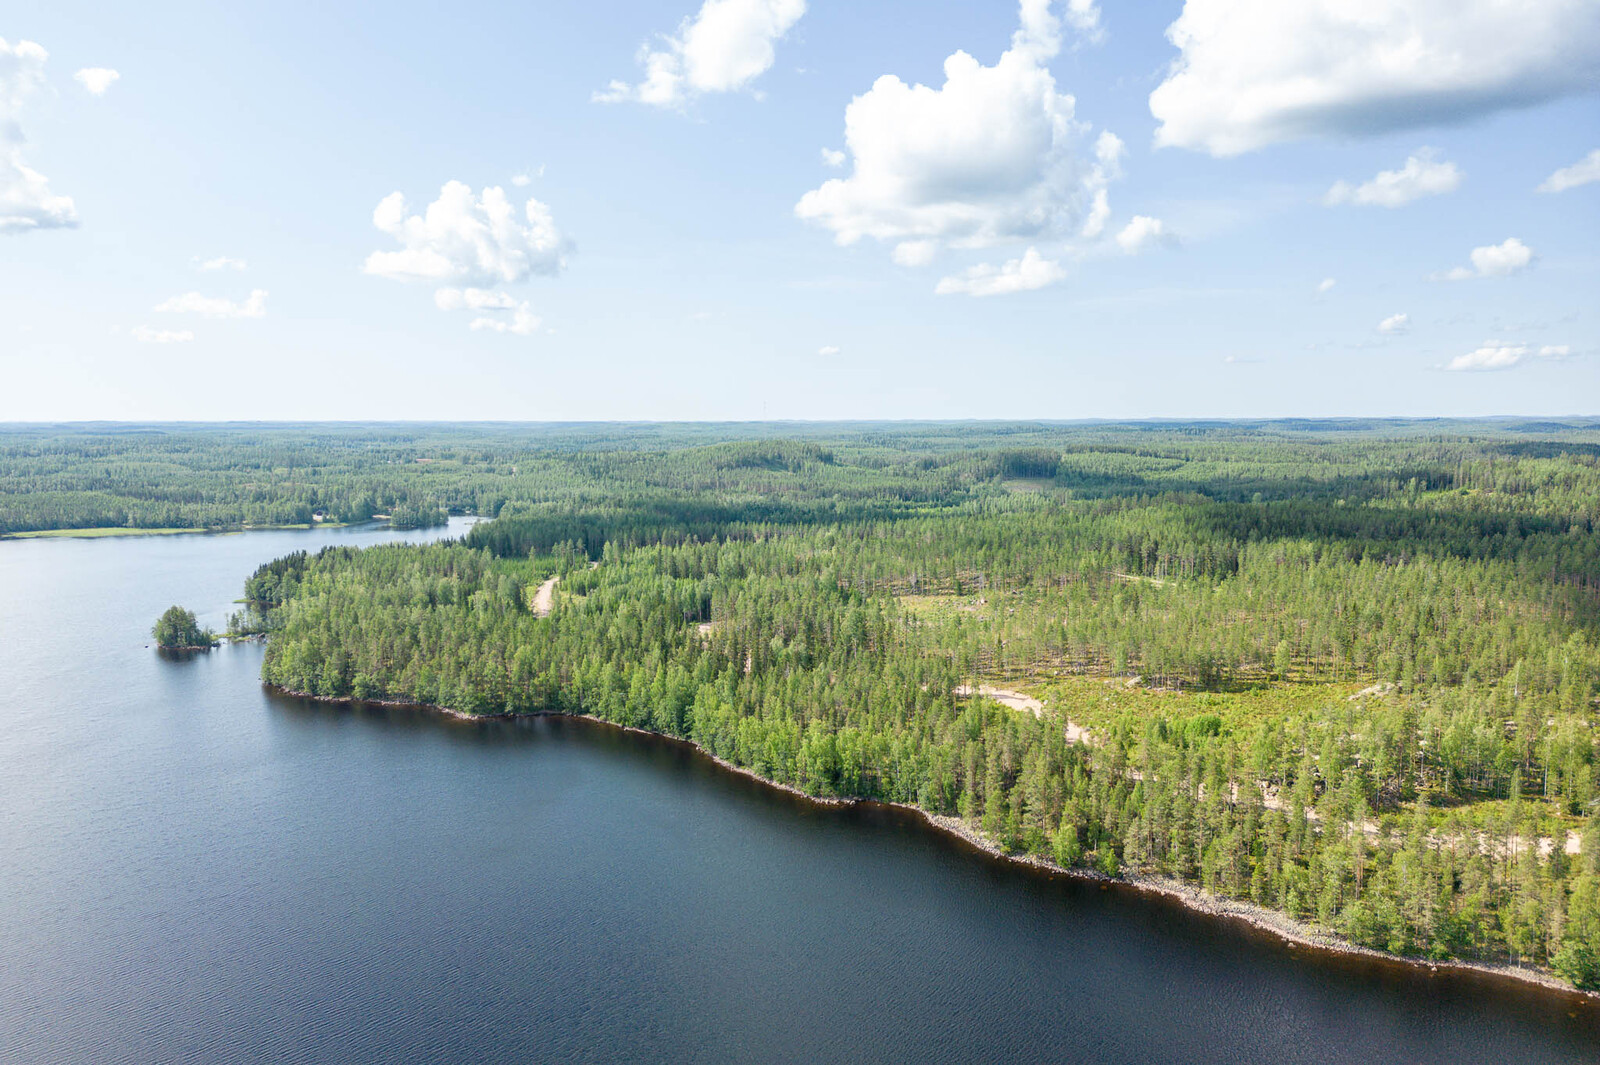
x=1343, y=673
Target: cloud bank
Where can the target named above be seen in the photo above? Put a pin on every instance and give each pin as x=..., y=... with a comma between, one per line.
x=26, y=200
x=1256, y=72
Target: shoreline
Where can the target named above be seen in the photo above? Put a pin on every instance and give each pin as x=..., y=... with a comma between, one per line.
x=112, y=531
x=1285, y=928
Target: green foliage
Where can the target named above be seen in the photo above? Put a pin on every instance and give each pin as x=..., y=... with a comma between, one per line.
x=1361, y=700
x=178, y=629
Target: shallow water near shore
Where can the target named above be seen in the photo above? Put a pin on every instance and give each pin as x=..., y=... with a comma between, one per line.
x=197, y=870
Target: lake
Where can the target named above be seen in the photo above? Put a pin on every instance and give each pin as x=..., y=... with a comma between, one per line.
x=194, y=870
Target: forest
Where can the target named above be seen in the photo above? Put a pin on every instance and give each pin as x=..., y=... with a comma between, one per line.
x=1345, y=671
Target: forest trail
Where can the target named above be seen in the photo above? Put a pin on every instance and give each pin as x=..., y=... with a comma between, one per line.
x=544, y=600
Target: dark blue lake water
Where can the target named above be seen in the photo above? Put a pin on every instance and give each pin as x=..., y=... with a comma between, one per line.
x=192, y=870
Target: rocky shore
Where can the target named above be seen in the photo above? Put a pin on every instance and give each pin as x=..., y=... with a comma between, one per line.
x=1273, y=922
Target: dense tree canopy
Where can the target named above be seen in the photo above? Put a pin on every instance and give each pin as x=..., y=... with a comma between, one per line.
x=1346, y=675
x=178, y=629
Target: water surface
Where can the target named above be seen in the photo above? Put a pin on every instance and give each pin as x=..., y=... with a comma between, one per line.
x=194, y=870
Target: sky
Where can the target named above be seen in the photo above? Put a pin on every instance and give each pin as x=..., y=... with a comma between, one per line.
x=799, y=209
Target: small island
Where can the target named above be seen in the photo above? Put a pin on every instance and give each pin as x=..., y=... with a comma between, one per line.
x=178, y=630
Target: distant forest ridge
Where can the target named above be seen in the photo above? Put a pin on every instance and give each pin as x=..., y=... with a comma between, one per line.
x=165, y=476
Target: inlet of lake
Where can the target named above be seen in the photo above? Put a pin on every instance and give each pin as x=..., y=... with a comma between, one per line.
x=195, y=870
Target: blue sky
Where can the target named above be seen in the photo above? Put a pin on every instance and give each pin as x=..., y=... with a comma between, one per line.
x=675, y=267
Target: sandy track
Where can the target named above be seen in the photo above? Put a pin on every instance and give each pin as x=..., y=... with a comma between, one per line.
x=544, y=600
x=1015, y=700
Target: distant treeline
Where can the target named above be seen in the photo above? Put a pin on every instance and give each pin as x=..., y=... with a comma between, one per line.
x=71, y=477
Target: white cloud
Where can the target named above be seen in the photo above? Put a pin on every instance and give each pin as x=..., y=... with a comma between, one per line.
x=1032, y=271
x=221, y=262
x=723, y=48
x=21, y=74
x=215, y=307
x=1141, y=233
x=1257, y=72
x=828, y=349
x=1084, y=16
x=146, y=335
x=1395, y=323
x=1325, y=286
x=832, y=157
x=473, y=299
x=96, y=79
x=522, y=323
x=1582, y=172
x=915, y=252
x=1421, y=176
x=467, y=239
x=1501, y=260
x=1494, y=355
x=993, y=155
x=521, y=181
x=1493, y=260
x=26, y=201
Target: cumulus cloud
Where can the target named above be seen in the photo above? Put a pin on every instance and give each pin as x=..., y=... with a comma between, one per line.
x=723, y=48
x=221, y=262
x=1032, y=271
x=995, y=154
x=144, y=334
x=470, y=243
x=1421, y=176
x=1582, y=172
x=1143, y=232
x=523, y=322
x=216, y=307
x=1255, y=72
x=1395, y=323
x=1497, y=356
x=827, y=350
x=1325, y=286
x=1493, y=260
x=468, y=239
x=96, y=79
x=832, y=157
x=26, y=200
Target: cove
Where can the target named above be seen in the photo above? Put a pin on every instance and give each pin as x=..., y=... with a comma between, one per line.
x=196, y=869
